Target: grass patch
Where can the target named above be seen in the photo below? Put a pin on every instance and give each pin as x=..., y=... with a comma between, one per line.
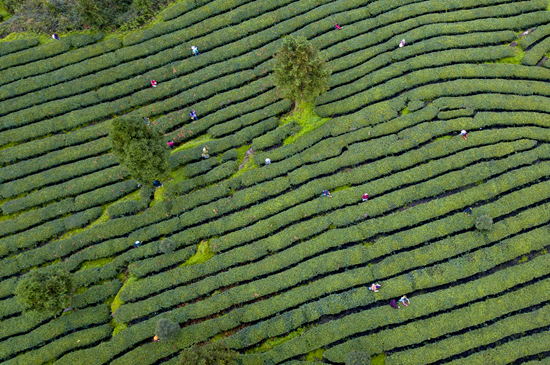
x=103, y=218
x=405, y=111
x=442, y=138
x=275, y=341
x=116, y=303
x=248, y=165
x=202, y=255
x=316, y=355
x=378, y=359
x=95, y=263
x=340, y=188
x=305, y=116
x=194, y=143
x=516, y=60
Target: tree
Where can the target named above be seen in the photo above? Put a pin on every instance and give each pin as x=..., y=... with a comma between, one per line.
x=46, y=290
x=166, y=329
x=212, y=353
x=484, y=223
x=140, y=149
x=300, y=74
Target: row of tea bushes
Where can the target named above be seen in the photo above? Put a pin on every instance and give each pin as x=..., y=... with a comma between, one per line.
x=55, y=158
x=229, y=52
x=47, y=50
x=80, y=339
x=456, y=269
x=535, y=54
x=17, y=45
x=88, y=198
x=334, y=330
x=57, y=69
x=52, y=183
x=481, y=336
x=510, y=351
x=535, y=36
x=53, y=143
x=288, y=258
x=31, y=237
x=130, y=295
x=383, y=28
x=64, y=324
x=385, y=166
x=220, y=14
x=27, y=323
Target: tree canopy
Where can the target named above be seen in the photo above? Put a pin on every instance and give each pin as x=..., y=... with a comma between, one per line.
x=140, y=148
x=46, y=290
x=300, y=74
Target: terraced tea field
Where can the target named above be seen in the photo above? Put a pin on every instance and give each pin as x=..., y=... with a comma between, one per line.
x=263, y=260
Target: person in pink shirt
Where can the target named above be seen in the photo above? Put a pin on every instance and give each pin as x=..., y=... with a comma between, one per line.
x=153, y=83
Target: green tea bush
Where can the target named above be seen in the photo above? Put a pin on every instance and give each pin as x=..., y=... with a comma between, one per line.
x=17, y=45
x=126, y=208
x=46, y=290
x=167, y=246
x=484, y=223
x=166, y=329
x=358, y=358
x=212, y=353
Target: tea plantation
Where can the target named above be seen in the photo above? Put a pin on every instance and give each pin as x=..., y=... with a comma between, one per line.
x=260, y=259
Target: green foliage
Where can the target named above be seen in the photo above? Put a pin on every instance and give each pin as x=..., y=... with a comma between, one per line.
x=100, y=13
x=166, y=329
x=167, y=246
x=484, y=223
x=212, y=353
x=46, y=290
x=140, y=149
x=358, y=358
x=300, y=73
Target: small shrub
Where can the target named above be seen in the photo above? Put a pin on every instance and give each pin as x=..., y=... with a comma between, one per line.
x=167, y=246
x=166, y=329
x=212, y=353
x=484, y=223
x=358, y=358
x=46, y=290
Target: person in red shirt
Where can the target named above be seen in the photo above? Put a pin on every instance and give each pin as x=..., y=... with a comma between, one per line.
x=153, y=83
x=365, y=197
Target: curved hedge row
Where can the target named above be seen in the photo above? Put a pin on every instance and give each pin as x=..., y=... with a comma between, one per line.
x=535, y=36
x=68, y=63
x=54, y=158
x=325, y=334
x=510, y=351
x=75, y=186
x=17, y=45
x=473, y=338
x=535, y=54
x=53, y=143
x=64, y=324
x=286, y=258
x=337, y=329
x=41, y=52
